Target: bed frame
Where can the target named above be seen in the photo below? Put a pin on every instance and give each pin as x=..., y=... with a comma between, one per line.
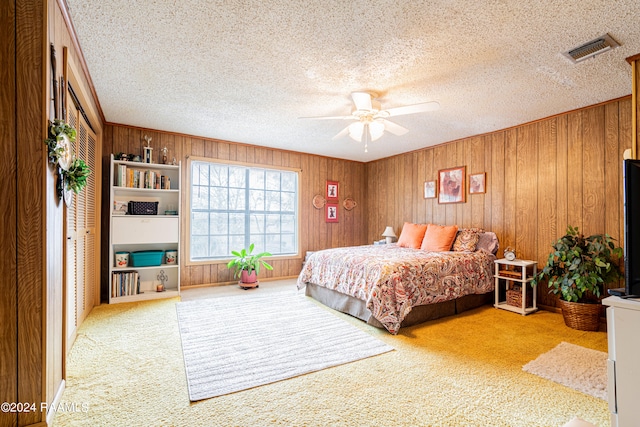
x=357, y=308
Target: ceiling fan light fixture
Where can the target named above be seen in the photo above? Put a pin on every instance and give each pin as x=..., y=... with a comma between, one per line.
x=376, y=129
x=356, y=129
x=370, y=120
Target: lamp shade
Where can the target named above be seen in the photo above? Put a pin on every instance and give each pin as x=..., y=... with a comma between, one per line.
x=388, y=232
x=376, y=129
x=355, y=130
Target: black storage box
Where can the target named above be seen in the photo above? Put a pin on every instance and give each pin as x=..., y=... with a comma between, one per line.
x=143, y=208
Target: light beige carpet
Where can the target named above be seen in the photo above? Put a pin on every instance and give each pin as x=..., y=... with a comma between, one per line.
x=580, y=368
x=465, y=370
x=239, y=342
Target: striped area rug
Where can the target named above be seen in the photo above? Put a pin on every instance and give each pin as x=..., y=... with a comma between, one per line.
x=239, y=342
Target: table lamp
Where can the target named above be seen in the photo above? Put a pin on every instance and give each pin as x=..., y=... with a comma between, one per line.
x=389, y=234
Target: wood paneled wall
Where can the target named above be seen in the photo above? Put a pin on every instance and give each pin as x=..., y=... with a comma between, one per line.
x=315, y=233
x=8, y=212
x=30, y=204
x=541, y=177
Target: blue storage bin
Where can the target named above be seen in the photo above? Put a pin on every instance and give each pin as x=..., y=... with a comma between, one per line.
x=146, y=258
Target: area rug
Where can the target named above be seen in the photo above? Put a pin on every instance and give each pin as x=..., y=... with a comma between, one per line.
x=239, y=342
x=580, y=368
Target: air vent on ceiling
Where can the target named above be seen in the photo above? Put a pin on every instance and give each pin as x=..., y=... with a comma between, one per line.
x=591, y=49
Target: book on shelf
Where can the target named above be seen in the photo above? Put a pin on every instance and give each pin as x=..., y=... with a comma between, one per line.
x=141, y=178
x=121, y=175
x=124, y=283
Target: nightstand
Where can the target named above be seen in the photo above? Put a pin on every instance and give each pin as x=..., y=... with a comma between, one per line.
x=516, y=276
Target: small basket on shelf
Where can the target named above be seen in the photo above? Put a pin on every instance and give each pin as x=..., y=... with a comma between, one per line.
x=514, y=296
x=512, y=274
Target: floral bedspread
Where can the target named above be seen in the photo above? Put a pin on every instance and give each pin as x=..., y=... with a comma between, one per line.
x=392, y=279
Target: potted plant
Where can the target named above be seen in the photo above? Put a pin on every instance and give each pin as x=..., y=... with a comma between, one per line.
x=247, y=266
x=578, y=270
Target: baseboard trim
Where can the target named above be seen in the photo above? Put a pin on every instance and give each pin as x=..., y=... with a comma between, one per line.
x=235, y=282
x=54, y=403
x=550, y=308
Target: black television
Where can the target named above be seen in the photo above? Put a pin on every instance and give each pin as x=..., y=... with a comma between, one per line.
x=631, y=180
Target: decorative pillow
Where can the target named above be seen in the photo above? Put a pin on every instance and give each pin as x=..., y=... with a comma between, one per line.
x=411, y=235
x=439, y=238
x=466, y=240
x=488, y=241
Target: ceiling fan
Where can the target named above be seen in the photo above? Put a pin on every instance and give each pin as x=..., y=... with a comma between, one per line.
x=370, y=121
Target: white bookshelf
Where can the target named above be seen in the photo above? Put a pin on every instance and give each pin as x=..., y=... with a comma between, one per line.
x=134, y=233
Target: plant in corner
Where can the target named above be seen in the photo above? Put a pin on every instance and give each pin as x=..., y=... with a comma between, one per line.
x=247, y=266
x=578, y=270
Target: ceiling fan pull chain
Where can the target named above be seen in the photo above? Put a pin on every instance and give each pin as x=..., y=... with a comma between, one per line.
x=367, y=136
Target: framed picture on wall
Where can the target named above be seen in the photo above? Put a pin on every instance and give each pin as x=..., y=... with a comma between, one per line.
x=478, y=183
x=331, y=212
x=332, y=190
x=430, y=189
x=451, y=187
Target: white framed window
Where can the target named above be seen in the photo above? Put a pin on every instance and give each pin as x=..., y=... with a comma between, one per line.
x=233, y=205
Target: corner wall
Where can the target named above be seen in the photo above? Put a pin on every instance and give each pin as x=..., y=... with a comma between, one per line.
x=541, y=177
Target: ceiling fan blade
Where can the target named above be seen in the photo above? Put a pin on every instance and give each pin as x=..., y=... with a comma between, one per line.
x=362, y=100
x=329, y=118
x=342, y=133
x=415, y=108
x=394, y=128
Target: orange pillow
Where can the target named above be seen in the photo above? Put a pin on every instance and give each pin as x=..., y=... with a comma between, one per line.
x=411, y=235
x=439, y=238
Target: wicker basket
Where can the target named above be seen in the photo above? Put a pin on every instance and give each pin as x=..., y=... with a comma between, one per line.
x=583, y=317
x=514, y=297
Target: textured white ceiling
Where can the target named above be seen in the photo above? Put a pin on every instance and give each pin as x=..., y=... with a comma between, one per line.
x=245, y=71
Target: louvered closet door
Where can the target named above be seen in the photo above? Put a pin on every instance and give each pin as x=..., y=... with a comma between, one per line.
x=81, y=231
x=91, y=272
x=81, y=224
x=71, y=254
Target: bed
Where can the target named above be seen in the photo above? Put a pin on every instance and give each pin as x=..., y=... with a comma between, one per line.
x=394, y=286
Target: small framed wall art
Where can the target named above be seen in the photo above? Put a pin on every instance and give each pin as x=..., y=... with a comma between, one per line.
x=332, y=190
x=331, y=212
x=430, y=189
x=452, y=182
x=478, y=183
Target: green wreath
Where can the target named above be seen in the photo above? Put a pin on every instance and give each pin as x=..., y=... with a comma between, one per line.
x=57, y=130
x=76, y=176
x=74, y=171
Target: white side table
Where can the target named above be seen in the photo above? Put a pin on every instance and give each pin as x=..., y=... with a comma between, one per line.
x=516, y=271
